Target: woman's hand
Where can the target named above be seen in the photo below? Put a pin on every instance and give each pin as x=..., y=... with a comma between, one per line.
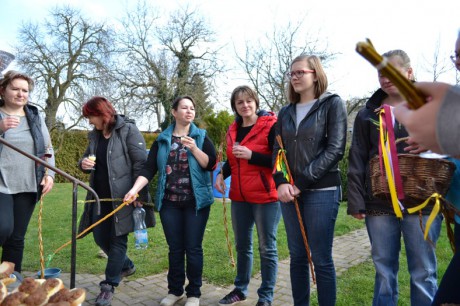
x=87, y=164
x=9, y=122
x=189, y=143
x=286, y=193
x=220, y=184
x=47, y=183
x=131, y=197
x=242, y=152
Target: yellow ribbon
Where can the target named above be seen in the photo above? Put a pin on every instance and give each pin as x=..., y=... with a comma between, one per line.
x=389, y=172
x=434, y=212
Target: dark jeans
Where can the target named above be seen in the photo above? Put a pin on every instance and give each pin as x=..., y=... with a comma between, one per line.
x=448, y=291
x=15, y=214
x=184, y=230
x=114, y=246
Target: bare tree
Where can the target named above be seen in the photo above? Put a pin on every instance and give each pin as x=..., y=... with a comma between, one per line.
x=165, y=61
x=266, y=62
x=64, y=54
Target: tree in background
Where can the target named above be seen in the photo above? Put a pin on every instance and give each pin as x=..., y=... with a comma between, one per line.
x=63, y=54
x=266, y=67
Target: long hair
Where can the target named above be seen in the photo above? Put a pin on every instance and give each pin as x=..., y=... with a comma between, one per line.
x=101, y=107
x=321, y=83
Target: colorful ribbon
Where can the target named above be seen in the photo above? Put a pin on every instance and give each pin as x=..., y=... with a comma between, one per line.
x=434, y=211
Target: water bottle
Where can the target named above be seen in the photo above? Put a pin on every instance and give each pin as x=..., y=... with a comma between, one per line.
x=140, y=230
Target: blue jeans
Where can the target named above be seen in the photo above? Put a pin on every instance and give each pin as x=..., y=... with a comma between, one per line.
x=319, y=209
x=266, y=218
x=448, y=291
x=385, y=237
x=184, y=230
x=114, y=246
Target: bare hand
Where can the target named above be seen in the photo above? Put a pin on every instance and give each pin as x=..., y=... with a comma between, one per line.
x=286, y=193
x=9, y=122
x=130, y=197
x=189, y=143
x=220, y=183
x=421, y=123
x=47, y=183
x=413, y=147
x=87, y=164
x=242, y=152
x=359, y=216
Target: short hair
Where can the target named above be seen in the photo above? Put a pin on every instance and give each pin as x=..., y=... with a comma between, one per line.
x=402, y=59
x=100, y=107
x=176, y=101
x=314, y=63
x=13, y=75
x=243, y=89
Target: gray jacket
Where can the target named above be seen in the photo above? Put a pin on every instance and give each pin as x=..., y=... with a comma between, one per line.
x=126, y=154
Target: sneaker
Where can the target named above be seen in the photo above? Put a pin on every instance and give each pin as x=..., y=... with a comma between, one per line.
x=171, y=299
x=105, y=297
x=128, y=272
x=192, y=301
x=233, y=298
x=264, y=304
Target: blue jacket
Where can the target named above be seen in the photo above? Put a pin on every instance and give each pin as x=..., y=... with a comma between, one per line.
x=200, y=178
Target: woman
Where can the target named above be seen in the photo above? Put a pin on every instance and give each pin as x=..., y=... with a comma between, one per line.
x=119, y=151
x=183, y=156
x=383, y=226
x=252, y=191
x=23, y=181
x=313, y=129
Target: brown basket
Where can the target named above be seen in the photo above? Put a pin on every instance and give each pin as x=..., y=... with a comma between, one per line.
x=421, y=177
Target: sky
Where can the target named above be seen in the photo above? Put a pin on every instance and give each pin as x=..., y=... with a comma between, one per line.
x=415, y=26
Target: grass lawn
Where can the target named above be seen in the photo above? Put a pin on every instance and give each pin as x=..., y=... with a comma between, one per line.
x=354, y=286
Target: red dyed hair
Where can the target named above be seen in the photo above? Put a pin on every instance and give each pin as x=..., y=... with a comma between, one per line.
x=101, y=107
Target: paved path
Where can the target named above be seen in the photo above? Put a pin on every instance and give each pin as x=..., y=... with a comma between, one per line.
x=349, y=250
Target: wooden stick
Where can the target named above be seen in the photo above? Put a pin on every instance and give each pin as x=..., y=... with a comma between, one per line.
x=414, y=97
x=299, y=216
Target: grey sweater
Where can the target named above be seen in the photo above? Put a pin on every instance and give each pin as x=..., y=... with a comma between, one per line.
x=17, y=172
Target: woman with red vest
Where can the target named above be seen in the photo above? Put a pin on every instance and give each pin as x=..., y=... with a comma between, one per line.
x=253, y=193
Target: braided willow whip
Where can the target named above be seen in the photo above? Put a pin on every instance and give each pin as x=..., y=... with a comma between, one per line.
x=299, y=217
x=414, y=97
x=94, y=224
x=40, y=239
x=229, y=244
x=40, y=215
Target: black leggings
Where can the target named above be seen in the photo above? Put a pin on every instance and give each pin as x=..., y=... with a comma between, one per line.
x=15, y=213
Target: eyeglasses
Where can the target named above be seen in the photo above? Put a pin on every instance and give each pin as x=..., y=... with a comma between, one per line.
x=455, y=57
x=298, y=73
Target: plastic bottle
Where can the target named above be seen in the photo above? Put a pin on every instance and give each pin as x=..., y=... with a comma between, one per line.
x=140, y=230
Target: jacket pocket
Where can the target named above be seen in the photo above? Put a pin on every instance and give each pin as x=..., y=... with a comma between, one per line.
x=264, y=180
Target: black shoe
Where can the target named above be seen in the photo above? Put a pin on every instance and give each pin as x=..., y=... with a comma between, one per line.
x=264, y=304
x=105, y=297
x=128, y=272
x=233, y=298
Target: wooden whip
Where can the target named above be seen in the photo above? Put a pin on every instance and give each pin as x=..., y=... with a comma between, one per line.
x=299, y=216
x=414, y=97
x=229, y=244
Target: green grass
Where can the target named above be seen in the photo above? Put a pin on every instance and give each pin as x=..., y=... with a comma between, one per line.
x=56, y=230
x=354, y=286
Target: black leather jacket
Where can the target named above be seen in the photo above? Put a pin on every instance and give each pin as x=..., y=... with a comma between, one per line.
x=315, y=148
